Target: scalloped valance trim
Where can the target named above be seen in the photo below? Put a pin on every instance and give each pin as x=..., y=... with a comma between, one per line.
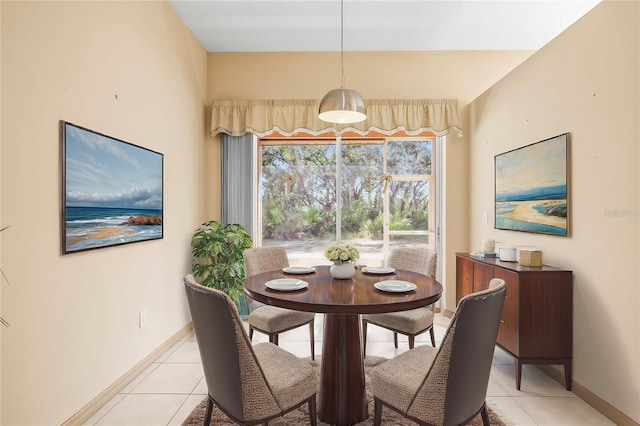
x=290, y=117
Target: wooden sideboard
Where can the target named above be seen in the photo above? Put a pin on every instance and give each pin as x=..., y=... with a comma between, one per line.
x=536, y=325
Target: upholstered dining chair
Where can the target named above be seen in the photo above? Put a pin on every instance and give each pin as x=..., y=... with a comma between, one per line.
x=415, y=321
x=448, y=385
x=249, y=384
x=267, y=319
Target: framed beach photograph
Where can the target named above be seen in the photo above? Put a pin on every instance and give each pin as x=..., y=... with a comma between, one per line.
x=531, y=188
x=112, y=191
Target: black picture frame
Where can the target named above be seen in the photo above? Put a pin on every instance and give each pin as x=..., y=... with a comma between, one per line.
x=112, y=191
x=531, y=187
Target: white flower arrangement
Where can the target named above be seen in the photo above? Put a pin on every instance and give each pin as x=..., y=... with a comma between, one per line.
x=342, y=253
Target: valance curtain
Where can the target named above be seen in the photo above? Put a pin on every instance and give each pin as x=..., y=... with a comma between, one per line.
x=288, y=117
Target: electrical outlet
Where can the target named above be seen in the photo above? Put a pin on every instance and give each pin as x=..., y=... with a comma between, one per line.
x=142, y=318
x=485, y=217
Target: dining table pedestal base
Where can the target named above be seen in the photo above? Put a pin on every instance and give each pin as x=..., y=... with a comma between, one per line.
x=342, y=399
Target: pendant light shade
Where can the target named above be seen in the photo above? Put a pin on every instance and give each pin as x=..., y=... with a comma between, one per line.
x=342, y=106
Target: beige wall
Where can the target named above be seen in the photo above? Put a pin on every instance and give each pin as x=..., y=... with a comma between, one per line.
x=376, y=75
x=133, y=71
x=586, y=82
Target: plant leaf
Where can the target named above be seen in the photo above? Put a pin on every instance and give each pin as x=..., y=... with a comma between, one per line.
x=218, y=257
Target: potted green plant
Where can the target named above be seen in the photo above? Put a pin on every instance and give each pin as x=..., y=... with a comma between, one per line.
x=217, y=257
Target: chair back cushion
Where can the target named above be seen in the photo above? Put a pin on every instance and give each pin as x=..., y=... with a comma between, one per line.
x=414, y=259
x=262, y=259
x=234, y=378
x=455, y=387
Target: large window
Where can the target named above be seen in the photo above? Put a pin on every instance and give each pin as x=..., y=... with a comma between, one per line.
x=372, y=193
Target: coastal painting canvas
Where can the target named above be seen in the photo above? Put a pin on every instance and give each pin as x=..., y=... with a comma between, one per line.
x=531, y=188
x=112, y=191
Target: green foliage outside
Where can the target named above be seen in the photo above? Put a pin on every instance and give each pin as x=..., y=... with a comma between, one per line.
x=298, y=190
x=217, y=257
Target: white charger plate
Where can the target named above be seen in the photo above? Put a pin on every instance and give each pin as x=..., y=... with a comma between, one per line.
x=395, y=286
x=286, y=284
x=298, y=270
x=378, y=271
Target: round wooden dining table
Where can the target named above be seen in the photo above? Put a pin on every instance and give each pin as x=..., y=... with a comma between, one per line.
x=342, y=398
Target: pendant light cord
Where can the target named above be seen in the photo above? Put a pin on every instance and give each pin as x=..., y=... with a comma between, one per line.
x=342, y=106
x=342, y=42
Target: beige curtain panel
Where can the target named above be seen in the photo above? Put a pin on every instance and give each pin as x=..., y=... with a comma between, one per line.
x=288, y=117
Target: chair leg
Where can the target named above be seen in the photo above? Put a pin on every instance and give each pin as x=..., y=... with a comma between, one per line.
x=312, y=411
x=250, y=333
x=377, y=412
x=395, y=339
x=485, y=415
x=433, y=337
x=273, y=338
x=312, y=338
x=412, y=341
x=364, y=339
x=209, y=412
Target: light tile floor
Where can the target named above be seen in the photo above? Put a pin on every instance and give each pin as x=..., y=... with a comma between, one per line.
x=167, y=391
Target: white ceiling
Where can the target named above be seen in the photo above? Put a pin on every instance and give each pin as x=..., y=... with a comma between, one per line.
x=377, y=25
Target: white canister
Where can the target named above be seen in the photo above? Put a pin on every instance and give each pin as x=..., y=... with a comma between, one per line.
x=507, y=254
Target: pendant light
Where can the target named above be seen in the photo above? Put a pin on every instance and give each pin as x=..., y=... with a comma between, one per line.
x=342, y=106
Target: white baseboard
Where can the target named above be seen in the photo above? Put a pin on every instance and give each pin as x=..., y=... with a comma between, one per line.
x=99, y=401
x=602, y=406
